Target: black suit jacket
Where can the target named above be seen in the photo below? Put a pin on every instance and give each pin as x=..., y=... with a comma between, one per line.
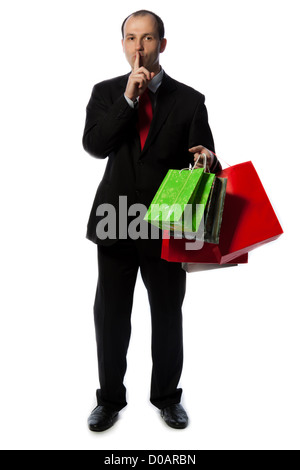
x=179, y=122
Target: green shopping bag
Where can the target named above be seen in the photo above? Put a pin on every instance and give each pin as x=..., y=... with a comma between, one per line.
x=176, y=191
x=180, y=201
x=194, y=212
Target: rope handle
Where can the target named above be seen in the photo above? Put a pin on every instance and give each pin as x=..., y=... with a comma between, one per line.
x=204, y=162
x=194, y=167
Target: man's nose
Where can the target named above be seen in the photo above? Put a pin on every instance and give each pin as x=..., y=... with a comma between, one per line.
x=139, y=45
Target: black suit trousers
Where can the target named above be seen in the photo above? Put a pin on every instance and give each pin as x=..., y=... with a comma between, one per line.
x=166, y=284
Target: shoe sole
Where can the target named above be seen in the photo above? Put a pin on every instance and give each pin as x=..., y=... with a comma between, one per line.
x=182, y=426
x=174, y=426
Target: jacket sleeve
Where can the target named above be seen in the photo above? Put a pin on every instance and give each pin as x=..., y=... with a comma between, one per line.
x=107, y=122
x=200, y=133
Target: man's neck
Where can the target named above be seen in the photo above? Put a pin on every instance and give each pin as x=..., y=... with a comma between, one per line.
x=157, y=70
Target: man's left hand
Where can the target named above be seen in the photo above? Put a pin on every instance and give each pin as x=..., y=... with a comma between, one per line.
x=197, y=151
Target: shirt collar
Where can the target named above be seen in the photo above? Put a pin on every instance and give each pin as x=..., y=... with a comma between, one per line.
x=156, y=81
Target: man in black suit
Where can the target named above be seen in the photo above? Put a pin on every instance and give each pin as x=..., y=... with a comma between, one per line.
x=179, y=133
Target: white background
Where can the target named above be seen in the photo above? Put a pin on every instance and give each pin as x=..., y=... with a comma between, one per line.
x=241, y=378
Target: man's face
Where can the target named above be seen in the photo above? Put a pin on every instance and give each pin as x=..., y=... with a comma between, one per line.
x=141, y=34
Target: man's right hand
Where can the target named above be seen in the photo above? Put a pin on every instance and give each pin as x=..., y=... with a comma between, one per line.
x=138, y=80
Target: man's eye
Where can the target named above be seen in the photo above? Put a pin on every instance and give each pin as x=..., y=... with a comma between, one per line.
x=148, y=38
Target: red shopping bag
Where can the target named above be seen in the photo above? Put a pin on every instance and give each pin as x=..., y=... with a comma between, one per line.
x=249, y=221
x=175, y=249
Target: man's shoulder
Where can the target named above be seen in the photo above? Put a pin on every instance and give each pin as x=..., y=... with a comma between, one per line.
x=186, y=90
x=112, y=82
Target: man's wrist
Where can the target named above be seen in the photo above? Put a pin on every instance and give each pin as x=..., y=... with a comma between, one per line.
x=132, y=103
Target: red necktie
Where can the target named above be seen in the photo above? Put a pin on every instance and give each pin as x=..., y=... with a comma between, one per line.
x=145, y=116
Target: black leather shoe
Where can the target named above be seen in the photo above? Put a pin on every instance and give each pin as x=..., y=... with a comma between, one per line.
x=175, y=416
x=102, y=418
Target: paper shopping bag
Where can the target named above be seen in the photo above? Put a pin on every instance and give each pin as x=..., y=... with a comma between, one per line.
x=214, y=211
x=177, y=250
x=212, y=205
x=194, y=212
x=249, y=221
x=179, y=194
x=199, y=267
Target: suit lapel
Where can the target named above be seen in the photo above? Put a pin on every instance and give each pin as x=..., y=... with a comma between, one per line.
x=165, y=102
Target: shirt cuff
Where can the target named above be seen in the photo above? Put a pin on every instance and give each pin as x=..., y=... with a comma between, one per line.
x=131, y=103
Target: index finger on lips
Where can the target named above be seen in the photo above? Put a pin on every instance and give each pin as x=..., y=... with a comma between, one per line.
x=137, y=61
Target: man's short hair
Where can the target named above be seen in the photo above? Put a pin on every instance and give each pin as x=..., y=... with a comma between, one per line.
x=159, y=22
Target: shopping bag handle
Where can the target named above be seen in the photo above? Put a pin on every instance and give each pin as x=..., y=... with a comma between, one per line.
x=220, y=158
x=204, y=161
x=194, y=167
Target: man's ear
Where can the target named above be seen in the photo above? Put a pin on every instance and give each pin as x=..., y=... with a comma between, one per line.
x=163, y=45
x=122, y=41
